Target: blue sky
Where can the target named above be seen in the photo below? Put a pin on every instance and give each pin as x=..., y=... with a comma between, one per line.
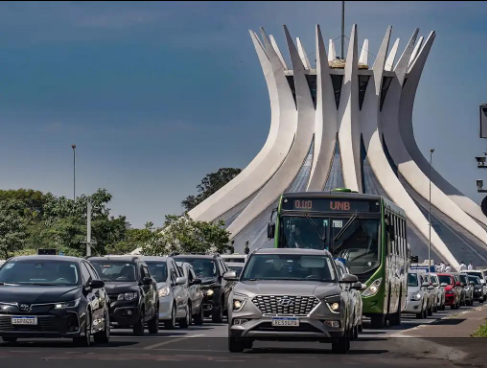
x=156, y=95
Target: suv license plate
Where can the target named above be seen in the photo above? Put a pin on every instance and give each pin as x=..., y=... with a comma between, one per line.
x=22, y=320
x=285, y=322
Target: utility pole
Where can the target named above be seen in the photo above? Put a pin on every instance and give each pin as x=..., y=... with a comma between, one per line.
x=74, y=171
x=429, y=214
x=88, y=228
x=343, y=30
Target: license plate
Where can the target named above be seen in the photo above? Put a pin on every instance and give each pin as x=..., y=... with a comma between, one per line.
x=285, y=322
x=23, y=320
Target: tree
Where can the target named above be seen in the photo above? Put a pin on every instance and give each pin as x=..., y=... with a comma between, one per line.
x=184, y=235
x=12, y=229
x=210, y=184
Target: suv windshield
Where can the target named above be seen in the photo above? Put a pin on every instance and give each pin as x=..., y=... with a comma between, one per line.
x=353, y=239
x=463, y=279
x=158, y=271
x=289, y=267
x=203, y=267
x=115, y=271
x=412, y=279
x=40, y=272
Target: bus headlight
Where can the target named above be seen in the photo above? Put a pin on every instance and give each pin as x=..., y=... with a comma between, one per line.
x=373, y=288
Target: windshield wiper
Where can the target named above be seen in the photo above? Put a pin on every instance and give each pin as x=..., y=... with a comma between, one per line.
x=345, y=228
x=315, y=228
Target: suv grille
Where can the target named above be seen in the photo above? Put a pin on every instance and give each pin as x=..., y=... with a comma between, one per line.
x=283, y=304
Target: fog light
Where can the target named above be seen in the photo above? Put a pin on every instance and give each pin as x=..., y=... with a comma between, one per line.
x=333, y=324
x=129, y=313
x=238, y=321
x=237, y=304
x=210, y=292
x=335, y=306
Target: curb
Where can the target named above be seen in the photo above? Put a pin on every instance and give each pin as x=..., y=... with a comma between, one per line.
x=419, y=346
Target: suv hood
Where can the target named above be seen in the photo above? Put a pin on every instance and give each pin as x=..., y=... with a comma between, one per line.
x=39, y=294
x=121, y=287
x=281, y=287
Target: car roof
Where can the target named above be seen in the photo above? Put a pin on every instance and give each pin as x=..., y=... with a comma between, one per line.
x=154, y=259
x=235, y=264
x=116, y=258
x=195, y=256
x=47, y=258
x=297, y=251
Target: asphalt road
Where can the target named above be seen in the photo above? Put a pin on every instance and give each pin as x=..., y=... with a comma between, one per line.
x=207, y=344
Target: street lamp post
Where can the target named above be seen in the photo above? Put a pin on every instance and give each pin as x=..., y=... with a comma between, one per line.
x=429, y=214
x=74, y=171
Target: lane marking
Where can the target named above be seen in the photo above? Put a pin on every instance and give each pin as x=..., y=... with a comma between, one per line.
x=150, y=347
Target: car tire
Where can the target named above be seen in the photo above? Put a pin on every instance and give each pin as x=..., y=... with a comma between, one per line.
x=172, y=322
x=153, y=324
x=235, y=345
x=84, y=341
x=360, y=327
x=103, y=337
x=378, y=321
x=186, y=321
x=341, y=345
x=139, y=326
x=430, y=311
x=248, y=343
x=200, y=317
x=217, y=314
x=9, y=339
x=355, y=333
x=395, y=319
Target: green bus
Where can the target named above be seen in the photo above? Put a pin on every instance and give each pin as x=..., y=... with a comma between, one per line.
x=367, y=232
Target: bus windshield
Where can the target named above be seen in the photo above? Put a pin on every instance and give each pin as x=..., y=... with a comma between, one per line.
x=353, y=239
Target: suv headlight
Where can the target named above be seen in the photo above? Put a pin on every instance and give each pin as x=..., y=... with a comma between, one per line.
x=239, y=301
x=373, y=288
x=127, y=296
x=67, y=305
x=165, y=291
x=416, y=297
x=210, y=292
x=334, y=307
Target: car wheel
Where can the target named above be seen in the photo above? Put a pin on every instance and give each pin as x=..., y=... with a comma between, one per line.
x=341, y=345
x=138, y=328
x=395, y=319
x=430, y=311
x=235, y=345
x=361, y=327
x=248, y=343
x=355, y=333
x=154, y=323
x=9, y=339
x=172, y=322
x=84, y=341
x=378, y=321
x=200, y=317
x=217, y=314
x=103, y=337
x=186, y=321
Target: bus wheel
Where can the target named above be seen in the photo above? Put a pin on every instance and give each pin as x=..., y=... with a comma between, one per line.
x=395, y=319
x=378, y=321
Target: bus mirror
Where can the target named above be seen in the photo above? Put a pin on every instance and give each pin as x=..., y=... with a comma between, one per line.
x=271, y=229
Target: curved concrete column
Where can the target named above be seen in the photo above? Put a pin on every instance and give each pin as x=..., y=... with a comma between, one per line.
x=364, y=53
x=299, y=150
x=349, y=128
x=332, y=54
x=302, y=54
x=413, y=166
x=278, y=52
x=392, y=55
x=274, y=151
x=370, y=123
x=326, y=125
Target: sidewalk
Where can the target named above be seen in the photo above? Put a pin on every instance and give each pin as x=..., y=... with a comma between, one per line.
x=449, y=338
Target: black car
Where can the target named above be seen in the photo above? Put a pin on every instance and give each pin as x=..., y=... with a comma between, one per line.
x=53, y=296
x=477, y=287
x=210, y=269
x=133, y=292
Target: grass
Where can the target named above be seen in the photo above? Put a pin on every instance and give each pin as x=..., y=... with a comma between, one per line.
x=481, y=332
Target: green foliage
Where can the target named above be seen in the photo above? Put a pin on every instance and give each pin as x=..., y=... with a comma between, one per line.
x=184, y=235
x=210, y=184
x=481, y=332
x=12, y=227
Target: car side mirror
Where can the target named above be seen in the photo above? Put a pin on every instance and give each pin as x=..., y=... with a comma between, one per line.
x=472, y=283
x=357, y=286
x=349, y=279
x=444, y=284
x=459, y=284
x=271, y=230
x=147, y=281
x=181, y=281
x=196, y=282
x=96, y=284
x=230, y=276
x=425, y=284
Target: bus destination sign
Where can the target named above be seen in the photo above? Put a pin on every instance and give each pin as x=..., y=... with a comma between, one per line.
x=330, y=205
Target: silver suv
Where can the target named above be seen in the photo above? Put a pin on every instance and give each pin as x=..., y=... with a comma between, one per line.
x=291, y=294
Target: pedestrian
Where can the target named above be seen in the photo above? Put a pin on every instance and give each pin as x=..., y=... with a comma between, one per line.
x=447, y=268
x=470, y=266
x=442, y=267
x=463, y=267
x=247, y=248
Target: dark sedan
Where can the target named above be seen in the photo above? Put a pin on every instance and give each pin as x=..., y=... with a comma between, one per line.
x=53, y=296
x=477, y=287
